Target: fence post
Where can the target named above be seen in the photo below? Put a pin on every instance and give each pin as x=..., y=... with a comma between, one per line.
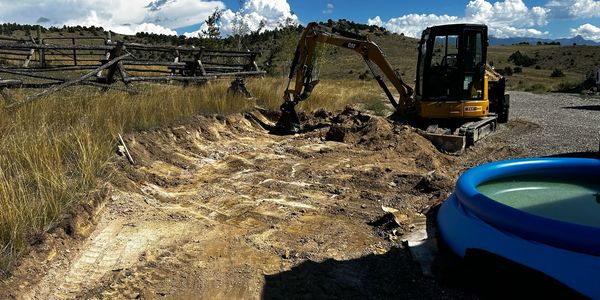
x=39, y=34
x=116, y=52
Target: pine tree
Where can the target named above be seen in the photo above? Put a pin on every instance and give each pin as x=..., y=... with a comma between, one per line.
x=212, y=25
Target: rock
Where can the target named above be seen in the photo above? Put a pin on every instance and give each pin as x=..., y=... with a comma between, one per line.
x=336, y=133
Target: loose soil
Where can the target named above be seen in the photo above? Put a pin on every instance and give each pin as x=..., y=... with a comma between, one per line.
x=218, y=208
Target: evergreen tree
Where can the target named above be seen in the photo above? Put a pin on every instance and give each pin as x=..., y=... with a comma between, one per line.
x=212, y=25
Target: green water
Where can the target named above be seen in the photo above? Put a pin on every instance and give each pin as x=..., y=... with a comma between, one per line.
x=575, y=200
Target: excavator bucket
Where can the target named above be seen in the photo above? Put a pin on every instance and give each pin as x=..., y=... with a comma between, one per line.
x=288, y=123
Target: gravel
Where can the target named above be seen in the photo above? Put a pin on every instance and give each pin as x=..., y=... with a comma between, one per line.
x=567, y=123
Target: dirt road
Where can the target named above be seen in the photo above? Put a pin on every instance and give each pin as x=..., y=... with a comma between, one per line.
x=218, y=208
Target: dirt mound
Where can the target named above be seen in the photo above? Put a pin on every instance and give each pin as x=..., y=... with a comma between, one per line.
x=215, y=203
x=379, y=134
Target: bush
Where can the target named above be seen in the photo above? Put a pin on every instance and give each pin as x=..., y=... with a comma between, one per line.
x=568, y=87
x=537, y=67
x=364, y=76
x=522, y=60
x=557, y=73
x=518, y=70
x=508, y=71
x=537, y=88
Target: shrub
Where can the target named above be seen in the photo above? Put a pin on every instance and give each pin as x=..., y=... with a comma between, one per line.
x=508, y=71
x=537, y=67
x=522, y=60
x=518, y=70
x=557, y=73
x=537, y=88
x=568, y=87
x=364, y=76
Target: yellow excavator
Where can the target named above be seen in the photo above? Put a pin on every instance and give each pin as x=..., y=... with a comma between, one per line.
x=458, y=99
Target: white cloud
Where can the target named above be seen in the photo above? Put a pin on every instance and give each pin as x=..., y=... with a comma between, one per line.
x=574, y=9
x=328, y=9
x=158, y=16
x=587, y=31
x=504, y=19
x=270, y=14
x=412, y=24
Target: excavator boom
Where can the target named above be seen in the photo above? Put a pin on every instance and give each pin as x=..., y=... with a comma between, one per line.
x=301, y=72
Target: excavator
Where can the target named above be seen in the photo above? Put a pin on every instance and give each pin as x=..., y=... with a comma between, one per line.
x=458, y=99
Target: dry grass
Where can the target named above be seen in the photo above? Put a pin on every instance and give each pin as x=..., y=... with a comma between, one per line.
x=55, y=150
x=329, y=94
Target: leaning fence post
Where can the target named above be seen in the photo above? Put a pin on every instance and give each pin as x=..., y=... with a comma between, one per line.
x=110, y=74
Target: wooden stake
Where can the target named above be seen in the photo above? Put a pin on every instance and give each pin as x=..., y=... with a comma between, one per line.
x=126, y=150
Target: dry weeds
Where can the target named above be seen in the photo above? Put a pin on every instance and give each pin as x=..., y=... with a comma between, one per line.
x=54, y=151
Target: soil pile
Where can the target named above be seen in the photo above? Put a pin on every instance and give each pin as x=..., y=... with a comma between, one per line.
x=217, y=207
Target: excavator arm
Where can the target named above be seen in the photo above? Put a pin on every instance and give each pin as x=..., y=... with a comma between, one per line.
x=301, y=72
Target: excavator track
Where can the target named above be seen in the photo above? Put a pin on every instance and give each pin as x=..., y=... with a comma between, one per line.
x=457, y=140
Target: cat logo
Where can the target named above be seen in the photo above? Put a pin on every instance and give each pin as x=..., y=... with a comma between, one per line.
x=351, y=45
x=472, y=108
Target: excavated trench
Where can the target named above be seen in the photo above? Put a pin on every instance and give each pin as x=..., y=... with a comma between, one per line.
x=217, y=207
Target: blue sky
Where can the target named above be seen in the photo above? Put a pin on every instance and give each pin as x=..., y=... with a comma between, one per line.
x=356, y=10
x=557, y=23
x=505, y=18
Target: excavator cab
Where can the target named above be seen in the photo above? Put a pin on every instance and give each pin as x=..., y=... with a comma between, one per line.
x=451, y=80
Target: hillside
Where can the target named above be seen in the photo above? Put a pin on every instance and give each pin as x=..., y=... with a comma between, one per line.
x=576, y=40
x=277, y=47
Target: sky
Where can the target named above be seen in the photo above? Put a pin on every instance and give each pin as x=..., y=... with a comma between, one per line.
x=507, y=18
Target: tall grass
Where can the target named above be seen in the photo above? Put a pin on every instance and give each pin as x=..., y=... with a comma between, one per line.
x=328, y=94
x=55, y=150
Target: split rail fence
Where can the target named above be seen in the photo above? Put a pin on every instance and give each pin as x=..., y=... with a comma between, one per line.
x=55, y=63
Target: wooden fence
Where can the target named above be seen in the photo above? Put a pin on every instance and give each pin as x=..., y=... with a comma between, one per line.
x=58, y=62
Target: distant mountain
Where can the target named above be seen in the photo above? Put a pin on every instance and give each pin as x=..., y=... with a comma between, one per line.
x=579, y=40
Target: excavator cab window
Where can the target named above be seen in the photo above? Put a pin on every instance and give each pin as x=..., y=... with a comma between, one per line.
x=443, y=67
x=452, y=63
x=474, y=67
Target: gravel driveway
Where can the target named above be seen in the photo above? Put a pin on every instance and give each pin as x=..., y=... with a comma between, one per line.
x=567, y=123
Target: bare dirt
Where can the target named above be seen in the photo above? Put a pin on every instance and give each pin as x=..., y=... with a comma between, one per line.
x=218, y=208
